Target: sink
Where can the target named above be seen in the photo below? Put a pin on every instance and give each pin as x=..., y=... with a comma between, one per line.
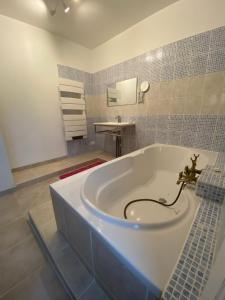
x=114, y=129
x=113, y=124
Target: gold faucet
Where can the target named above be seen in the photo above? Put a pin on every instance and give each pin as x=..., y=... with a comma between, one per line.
x=189, y=174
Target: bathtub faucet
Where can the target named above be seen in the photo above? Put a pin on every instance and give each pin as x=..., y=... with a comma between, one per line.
x=189, y=175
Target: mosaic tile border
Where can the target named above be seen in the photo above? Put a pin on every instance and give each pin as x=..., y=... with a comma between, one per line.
x=201, y=133
x=196, y=55
x=211, y=184
x=220, y=161
x=184, y=130
x=192, y=270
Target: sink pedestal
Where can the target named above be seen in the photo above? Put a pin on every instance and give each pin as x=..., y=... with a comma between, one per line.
x=114, y=129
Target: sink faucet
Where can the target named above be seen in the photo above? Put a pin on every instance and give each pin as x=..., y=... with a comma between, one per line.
x=189, y=174
x=118, y=118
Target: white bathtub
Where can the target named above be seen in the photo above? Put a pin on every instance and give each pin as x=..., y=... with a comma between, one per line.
x=152, y=244
x=148, y=173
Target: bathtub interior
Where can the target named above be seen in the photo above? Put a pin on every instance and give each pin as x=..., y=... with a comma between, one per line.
x=149, y=173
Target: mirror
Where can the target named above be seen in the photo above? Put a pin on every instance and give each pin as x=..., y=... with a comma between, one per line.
x=122, y=93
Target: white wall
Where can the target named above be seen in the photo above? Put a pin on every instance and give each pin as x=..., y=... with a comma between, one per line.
x=6, y=180
x=177, y=21
x=29, y=109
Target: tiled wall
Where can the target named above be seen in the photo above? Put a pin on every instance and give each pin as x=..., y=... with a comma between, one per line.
x=185, y=104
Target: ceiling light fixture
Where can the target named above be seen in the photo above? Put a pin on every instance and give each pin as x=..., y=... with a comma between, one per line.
x=66, y=7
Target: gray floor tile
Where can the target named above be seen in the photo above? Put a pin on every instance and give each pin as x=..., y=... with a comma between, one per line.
x=94, y=292
x=13, y=233
x=20, y=255
x=49, y=168
x=74, y=272
x=41, y=285
x=8, y=215
x=43, y=213
x=7, y=201
x=116, y=277
x=34, y=195
x=78, y=230
x=18, y=262
x=54, y=239
x=59, y=210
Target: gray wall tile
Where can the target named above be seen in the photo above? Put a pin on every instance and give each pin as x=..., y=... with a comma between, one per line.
x=182, y=67
x=94, y=293
x=169, y=53
x=198, y=64
x=216, y=61
x=79, y=235
x=200, y=43
x=217, y=38
x=76, y=275
x=58, y=205
x=120, y=282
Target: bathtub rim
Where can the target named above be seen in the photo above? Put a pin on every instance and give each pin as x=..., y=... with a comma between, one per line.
x=127, y=223
x=146, y=269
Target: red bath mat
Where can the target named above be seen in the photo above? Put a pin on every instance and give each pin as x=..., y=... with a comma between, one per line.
x=84, y=166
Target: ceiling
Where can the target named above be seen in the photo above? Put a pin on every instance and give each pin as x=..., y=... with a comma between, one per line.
x=89, y=22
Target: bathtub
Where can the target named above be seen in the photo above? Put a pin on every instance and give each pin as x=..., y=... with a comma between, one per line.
x=148, y=173
x=151, y=240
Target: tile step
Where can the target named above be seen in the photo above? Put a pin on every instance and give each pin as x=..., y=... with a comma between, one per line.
x=78, y=282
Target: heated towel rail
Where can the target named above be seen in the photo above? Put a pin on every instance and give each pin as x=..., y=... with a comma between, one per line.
x=72, y=102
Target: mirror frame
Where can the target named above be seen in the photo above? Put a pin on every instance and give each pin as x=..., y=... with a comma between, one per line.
x=128, y=103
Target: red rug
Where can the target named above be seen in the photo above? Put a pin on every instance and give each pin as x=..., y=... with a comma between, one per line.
x=84, y=166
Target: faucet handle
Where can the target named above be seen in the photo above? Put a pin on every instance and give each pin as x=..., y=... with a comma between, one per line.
x=195, y=158
x=194, y=161
x=189, y=174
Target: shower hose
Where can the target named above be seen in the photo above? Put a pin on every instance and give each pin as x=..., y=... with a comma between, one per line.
x=153, y=200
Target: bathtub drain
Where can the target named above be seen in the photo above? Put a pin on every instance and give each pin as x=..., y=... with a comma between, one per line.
x=162, y=200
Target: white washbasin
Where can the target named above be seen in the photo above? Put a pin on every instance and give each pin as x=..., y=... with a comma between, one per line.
x=113, y=124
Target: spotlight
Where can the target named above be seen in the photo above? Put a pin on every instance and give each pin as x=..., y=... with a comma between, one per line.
x=66, y=7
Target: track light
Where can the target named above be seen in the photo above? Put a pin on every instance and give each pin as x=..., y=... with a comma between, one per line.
x=66, y=7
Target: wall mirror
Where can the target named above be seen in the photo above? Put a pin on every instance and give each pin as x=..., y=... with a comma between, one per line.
x=122, y=93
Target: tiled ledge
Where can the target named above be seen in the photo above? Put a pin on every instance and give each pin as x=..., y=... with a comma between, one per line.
x=192, y=270
x=193, y=267
x=211, y=184
x=220, y=162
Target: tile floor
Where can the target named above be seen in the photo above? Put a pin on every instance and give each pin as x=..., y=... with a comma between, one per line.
x=78, y=280
x=24, y=273
x=52, y=168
